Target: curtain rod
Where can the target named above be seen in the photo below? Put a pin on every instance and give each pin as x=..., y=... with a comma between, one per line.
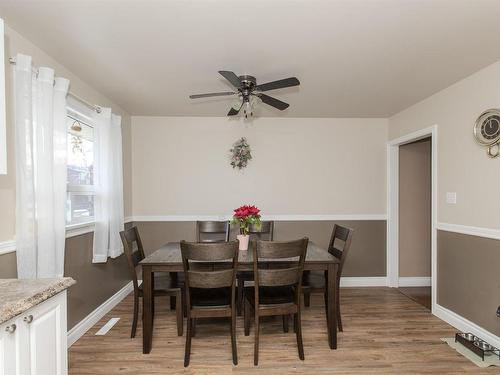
x=94, y=107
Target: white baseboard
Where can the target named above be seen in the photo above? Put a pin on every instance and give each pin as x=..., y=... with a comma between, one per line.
x=465, y=325
x=415, y=281
x=88, y=322
x=363, y=281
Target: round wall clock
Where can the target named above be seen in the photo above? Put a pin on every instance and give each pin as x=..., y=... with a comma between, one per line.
x=487, y=131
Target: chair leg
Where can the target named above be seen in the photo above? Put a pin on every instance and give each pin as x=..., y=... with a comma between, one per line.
x=178, y=313
x=339, y=319
x=326, y=309
x=233, y=338
x=187, y=352
x=307, y=299
x=153, y=307
x=136, y=314
x=239, y=303
x=246, y=317
x=300, y=345
x=256, y=344
x=285, y=323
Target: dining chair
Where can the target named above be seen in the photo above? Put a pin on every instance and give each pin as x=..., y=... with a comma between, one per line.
x=264, y=232
x=210, y=293
x=277, y=288
x=316, y=281
x=212, y=231
x=162, y=284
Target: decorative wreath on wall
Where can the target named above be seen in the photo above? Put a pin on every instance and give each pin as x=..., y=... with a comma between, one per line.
x=240, y=153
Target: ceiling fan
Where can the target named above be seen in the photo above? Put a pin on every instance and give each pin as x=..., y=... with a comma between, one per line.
x=249, y=93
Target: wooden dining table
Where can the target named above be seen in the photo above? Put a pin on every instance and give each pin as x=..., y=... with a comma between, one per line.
x=168, y=259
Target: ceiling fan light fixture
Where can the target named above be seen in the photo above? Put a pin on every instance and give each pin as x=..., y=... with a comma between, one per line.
x=247, y=109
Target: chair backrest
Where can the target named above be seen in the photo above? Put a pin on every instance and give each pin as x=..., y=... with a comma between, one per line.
x=288, y=273
x=340, y=243
x=134, y=254
x=198, y=259
x=212, y=231
x=265, y=232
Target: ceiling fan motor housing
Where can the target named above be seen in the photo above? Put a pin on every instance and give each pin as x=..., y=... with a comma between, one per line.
x=248, y=84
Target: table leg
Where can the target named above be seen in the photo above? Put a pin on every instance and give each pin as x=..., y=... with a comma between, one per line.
x=147, y=313
x=332, y=307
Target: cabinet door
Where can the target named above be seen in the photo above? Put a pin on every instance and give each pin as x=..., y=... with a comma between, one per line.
x=9, y=344
x=46, y=325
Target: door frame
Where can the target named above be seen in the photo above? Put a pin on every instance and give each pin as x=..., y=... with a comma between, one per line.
x=393, y=206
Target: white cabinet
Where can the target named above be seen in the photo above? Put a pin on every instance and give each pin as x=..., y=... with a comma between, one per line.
x=9, y=344
x=35, y=343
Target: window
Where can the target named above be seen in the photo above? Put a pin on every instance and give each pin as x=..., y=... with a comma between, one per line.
x=80, y=180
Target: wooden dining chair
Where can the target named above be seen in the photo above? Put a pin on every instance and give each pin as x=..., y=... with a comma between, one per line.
x=210, y=293
x=277, y=287
x=162, y=284
x=264, y=232
x=316, y=281
x=212, y=231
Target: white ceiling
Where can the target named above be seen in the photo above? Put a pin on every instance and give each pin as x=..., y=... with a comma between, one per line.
x=354, y=58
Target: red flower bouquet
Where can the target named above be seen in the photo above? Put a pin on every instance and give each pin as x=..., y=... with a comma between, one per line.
x=245, y=216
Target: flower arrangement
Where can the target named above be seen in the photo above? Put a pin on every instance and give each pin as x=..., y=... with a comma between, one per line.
x=245, y=216
x=240, y=153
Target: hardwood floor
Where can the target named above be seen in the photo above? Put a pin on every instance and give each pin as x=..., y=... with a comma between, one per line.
x=384, y=333
x=421, y=295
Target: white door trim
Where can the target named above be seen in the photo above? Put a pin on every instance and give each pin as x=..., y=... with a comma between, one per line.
x=393, y=206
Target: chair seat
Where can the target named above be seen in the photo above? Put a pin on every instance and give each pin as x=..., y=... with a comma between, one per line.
x=270, y=295
x=210, y=297
x=313, y=280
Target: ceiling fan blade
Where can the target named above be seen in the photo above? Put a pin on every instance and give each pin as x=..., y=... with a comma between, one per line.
x=225, y=93
x=231, y=77
x=282, y=83
x=234, y=112
x=273, y=102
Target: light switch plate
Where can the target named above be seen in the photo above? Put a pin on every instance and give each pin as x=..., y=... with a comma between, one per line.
x=451, y=198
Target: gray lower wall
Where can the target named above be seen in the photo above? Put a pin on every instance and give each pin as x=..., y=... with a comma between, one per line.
x=469, y=277
x=95, y=282
x=367, y=256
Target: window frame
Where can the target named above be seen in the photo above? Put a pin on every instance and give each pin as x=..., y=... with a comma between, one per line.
x=75, y=229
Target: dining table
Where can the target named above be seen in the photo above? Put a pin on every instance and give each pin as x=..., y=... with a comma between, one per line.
x=168, y=259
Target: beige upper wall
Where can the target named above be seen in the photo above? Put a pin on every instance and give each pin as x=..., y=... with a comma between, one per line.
x=463, y=166
x=300, y=166
x=15, y=43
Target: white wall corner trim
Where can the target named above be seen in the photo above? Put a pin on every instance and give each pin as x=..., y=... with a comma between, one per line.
x=415, y=281
x=472, y=231
x=90, y=320
x=7, y=247
x=363, y=281
x=465, y=325
x=300, y=217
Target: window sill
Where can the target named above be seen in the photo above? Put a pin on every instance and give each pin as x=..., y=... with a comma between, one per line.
x=79, y=229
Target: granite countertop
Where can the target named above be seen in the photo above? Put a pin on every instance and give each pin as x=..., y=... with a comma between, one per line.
x=18, y=295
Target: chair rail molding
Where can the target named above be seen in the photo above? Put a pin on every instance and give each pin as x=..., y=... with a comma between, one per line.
x=292, y=217
x=7, y=247
x=491, y=233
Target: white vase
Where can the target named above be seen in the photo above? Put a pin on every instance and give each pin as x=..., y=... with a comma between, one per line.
x=243, y=239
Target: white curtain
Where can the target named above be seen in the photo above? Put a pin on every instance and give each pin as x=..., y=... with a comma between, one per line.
x=108, y=201
x=40, y=124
